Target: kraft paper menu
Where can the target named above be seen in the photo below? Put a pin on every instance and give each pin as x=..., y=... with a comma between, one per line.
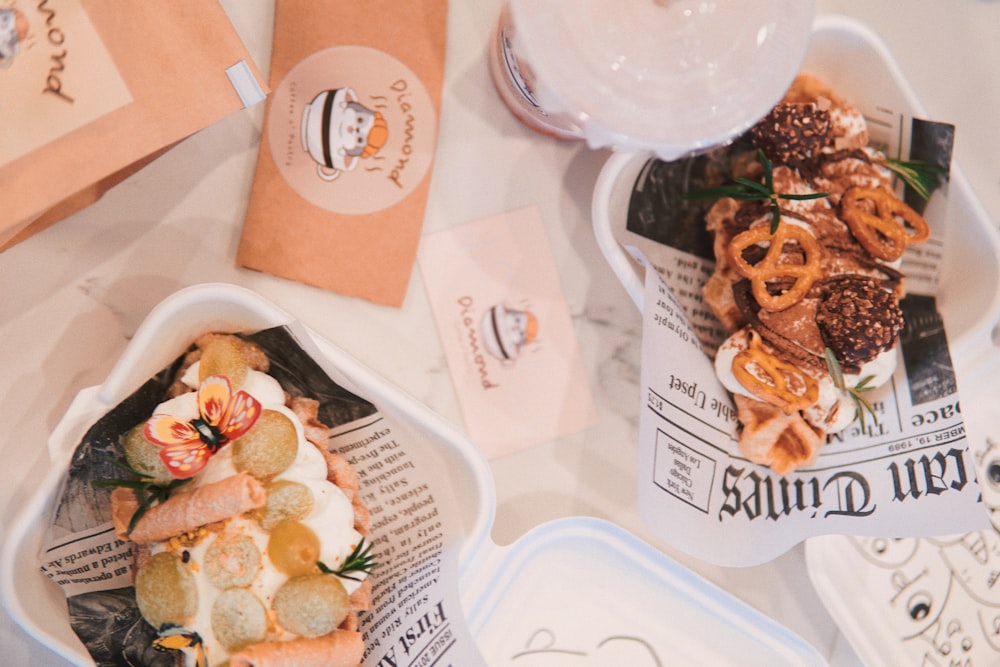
x=345, y=158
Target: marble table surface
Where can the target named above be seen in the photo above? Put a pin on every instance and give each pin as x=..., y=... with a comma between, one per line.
x=73, y=295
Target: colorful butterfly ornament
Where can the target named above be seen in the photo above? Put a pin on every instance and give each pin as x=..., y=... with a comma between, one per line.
x=223, y=416
x=176, y=638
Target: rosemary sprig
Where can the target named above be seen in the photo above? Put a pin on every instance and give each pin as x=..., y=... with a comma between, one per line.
x=748, y=190
x=861, y=402
x=359, y=560
x=918, y=174
x=148, y=491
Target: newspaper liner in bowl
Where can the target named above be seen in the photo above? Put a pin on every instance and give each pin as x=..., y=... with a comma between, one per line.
x=432, y=503
x=911, y=475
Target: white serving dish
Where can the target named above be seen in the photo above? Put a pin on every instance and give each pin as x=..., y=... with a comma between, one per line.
x=556, y=568
x=588, y=587
x=858, y=65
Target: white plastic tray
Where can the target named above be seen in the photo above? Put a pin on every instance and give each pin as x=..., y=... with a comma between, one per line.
x=585, y=592
x=856, y=62
x=592, y=568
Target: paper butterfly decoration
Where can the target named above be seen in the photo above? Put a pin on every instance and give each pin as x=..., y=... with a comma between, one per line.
x=223, y=416
x=176, y=638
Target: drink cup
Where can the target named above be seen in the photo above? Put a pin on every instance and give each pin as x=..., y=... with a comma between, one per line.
x=668, y=76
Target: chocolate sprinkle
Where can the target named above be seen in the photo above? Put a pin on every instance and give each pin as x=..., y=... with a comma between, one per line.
x=792, y=134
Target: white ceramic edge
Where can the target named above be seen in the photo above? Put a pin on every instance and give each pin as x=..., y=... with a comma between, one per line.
x=612, y=250
x=125, y=378
x=85, y=407
x=37, y=506
x=977, y=342
x=970, y=345
x=505, y=562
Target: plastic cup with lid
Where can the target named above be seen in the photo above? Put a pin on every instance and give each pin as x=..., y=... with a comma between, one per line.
x=672, y=77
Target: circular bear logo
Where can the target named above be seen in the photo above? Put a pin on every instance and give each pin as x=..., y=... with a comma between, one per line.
x=352, y=130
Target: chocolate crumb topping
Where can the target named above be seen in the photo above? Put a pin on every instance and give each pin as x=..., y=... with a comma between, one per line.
x=792, y=134
x=858, y=319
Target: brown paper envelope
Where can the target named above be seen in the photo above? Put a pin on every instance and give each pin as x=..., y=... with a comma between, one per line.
x=319, y=214
x=79, y=200
x=173, y=57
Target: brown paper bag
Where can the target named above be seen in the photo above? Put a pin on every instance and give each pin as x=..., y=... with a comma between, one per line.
x=171, y=56
x=345, y=161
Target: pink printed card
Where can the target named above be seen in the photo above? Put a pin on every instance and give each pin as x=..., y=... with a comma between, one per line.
x=506, y=331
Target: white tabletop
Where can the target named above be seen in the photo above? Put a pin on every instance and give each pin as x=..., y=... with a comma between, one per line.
x=74, y=294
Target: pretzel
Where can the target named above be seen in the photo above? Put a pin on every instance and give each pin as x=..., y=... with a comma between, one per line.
x=774, y=388
x=887, y=231
x=772, y=267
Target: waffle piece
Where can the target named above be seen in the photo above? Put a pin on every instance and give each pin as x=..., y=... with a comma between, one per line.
x=770, y=437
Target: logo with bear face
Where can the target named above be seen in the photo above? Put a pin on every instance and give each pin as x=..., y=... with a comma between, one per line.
x=506, y=331
x=338, y=132
x=499, y=331
x=352, y=130
x=13, y=33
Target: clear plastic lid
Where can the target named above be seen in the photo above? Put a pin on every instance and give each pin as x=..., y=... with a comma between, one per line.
x=670, y=76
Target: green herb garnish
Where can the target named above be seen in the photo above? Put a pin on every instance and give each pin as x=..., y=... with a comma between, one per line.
x=748, y=190
x=918, y=174
x=149, y=492
x=861, y=402
x=359, y=560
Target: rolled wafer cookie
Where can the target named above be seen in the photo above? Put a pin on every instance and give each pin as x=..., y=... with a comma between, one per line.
x=189, y=510
x=340, y=648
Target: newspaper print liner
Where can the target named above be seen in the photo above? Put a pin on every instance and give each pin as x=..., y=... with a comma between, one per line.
x=924, y=411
